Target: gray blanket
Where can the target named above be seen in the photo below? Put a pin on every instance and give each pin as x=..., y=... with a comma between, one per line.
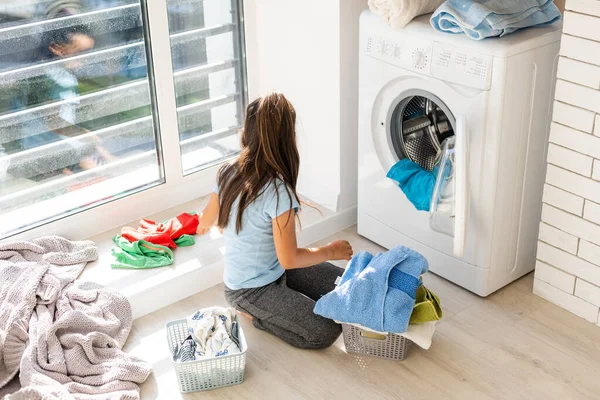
x=65, y=337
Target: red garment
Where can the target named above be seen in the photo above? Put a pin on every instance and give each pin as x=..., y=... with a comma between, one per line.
x=163, y=234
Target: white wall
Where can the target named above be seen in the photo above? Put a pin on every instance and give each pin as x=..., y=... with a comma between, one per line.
x=308, y=50
x=568, y=267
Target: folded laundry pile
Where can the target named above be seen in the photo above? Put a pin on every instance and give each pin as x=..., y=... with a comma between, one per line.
x=384, y=293
x=416, y=182
x=479, y=19
x=213, y=332
x=149, y=246
x=398, y=13
x=65, y=336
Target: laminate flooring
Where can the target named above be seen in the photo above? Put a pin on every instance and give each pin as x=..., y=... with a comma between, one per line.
x=511, y=345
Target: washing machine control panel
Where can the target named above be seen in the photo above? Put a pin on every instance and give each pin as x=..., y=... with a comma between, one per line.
x=441, y=61
x=414, y=56
x=465, y=67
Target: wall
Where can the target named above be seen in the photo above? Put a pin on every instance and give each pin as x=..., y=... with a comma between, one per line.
x=568, y=266
x=308, y=50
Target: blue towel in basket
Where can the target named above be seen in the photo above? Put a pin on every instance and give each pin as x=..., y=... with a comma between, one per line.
x=479, y=19
x=377, y=292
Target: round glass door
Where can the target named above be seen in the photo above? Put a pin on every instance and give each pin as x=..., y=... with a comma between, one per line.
x=420, y=123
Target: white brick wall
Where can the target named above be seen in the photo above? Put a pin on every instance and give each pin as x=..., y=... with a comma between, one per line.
x=568, y=266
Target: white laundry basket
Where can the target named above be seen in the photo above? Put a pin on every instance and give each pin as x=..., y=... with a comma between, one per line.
x=209, y=373
x=389, y=346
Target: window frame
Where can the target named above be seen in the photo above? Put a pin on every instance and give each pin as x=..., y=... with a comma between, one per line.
x=177, y=187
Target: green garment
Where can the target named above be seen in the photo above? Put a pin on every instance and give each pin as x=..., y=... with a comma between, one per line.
x=185, y=240
x=427, y=307
x=140, y=254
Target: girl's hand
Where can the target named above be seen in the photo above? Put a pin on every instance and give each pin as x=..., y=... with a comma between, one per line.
x=340, y=250
x=201, y=230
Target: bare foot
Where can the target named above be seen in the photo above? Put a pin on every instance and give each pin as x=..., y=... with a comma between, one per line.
x=250, y=317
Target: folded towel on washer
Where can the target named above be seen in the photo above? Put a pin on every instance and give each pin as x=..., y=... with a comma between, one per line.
x=398, y=13
x=479, y=19
x=377, y=292
x=416, y=182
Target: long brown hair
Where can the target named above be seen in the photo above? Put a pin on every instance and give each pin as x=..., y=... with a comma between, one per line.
x=269, y=156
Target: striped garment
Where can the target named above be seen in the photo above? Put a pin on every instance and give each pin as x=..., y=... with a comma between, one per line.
x=185, y=351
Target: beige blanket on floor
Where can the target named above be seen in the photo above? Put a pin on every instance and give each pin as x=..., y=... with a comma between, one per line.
x=398, y=13
x=65, y=337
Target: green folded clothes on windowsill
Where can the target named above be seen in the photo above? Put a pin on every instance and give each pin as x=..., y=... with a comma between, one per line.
x=185, y=240
x=143, y=254
x=427, y=307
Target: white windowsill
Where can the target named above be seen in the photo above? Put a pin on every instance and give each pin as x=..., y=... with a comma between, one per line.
x=197, y=267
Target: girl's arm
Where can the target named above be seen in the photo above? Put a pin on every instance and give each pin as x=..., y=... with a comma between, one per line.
x=291, y=257
x=208, y=217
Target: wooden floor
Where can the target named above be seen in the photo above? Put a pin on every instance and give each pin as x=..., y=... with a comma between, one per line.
x=512, y=345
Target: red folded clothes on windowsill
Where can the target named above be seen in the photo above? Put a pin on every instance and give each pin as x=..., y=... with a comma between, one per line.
x=163, y=234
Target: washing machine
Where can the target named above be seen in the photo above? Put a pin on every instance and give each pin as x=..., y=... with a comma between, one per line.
x=477, y=115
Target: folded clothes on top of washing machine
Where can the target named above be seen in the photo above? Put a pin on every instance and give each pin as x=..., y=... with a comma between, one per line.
x=489, y=18
x=416, y=182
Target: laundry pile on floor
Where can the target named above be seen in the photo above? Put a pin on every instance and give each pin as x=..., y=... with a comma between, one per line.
x=213, y=332
x=149, y=245
x=385, y=294
x=477, y=19
x=65, y=336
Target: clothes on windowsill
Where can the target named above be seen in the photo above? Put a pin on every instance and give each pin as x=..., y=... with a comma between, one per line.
x=398, y=13
x=416, y=182
x=149, y=246
x=166, y=233
x=140, y=254
x=213, y=332
x=427, y=307
x=378, y=291
x=481, y=19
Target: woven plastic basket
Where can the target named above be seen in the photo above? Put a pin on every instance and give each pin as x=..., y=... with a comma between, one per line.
x=210, y=373
x=389, y=346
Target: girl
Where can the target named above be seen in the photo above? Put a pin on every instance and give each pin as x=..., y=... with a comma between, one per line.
x=255, y=204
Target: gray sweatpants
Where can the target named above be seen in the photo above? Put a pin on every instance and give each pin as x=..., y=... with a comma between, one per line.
x=285, y=307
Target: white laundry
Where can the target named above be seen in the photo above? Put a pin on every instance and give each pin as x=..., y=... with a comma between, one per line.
x=419, y=334
x=398, y=13
x=211, y=328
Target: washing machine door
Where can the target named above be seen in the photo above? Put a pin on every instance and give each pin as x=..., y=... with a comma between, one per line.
x=449, y=205
x=417, y=124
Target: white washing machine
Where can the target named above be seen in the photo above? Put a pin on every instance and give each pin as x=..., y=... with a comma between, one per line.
x=478, y=115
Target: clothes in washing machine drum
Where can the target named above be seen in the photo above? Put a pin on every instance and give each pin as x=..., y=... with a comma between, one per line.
x=419, y=127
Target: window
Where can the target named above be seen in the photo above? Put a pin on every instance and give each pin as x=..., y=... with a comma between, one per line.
x=209, y=79
x=81, y=107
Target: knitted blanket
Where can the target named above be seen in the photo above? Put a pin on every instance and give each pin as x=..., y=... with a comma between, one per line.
x=65, y=337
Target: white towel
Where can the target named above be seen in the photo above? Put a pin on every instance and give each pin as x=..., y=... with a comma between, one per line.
x=398, y=13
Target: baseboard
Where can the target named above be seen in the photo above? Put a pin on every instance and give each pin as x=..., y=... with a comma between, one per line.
x=199, y=276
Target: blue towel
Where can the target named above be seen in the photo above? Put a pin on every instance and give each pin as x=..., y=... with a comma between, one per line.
x=416, y=182
x=480, y=19
x=377, y=292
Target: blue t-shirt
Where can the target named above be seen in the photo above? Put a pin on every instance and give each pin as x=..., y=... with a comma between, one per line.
x=250, y=257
